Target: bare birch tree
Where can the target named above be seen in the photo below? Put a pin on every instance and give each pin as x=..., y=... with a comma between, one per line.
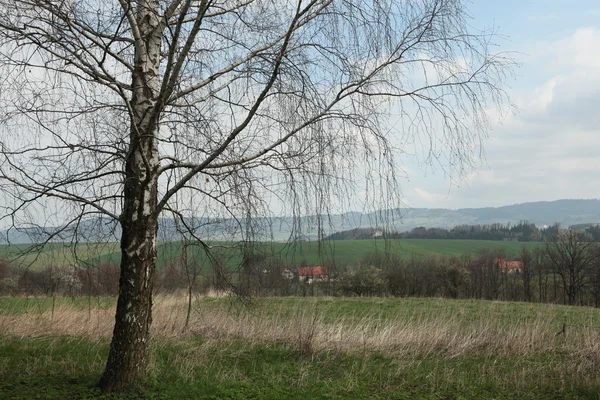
x=111, y=108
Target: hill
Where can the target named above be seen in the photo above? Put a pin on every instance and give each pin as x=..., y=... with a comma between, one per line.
x=565, y=212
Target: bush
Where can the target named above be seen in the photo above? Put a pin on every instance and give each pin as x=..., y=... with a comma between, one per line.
x=366, y=279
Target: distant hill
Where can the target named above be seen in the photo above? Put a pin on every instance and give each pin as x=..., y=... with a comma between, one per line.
x=565, y=212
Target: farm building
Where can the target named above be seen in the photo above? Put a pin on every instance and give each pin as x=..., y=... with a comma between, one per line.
x=509, y=266
x=312, y=274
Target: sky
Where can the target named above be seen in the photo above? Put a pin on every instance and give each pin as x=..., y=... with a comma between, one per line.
x=548, y=147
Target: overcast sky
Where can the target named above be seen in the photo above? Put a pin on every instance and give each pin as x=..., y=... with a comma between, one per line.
x=549, y=148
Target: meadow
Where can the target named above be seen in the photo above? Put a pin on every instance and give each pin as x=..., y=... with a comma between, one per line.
x=344, y=252
x=309, y=348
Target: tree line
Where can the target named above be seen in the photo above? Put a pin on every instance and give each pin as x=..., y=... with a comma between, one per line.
x=521, y=232
x=564, y=270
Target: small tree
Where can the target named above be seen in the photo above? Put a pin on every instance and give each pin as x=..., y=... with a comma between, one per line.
x=527, y=273
x=570, y=257
x=6, y=284
x=594, y=277
x=453, y=278
x=486, y=275
x=365, y=279
x=541, y=271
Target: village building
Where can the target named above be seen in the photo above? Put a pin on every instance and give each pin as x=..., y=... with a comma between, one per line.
x=509, y=267
x=313, y=274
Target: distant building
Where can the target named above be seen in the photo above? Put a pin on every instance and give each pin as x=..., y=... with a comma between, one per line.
x=287, y=274
x=509, y=267
x=313, y=274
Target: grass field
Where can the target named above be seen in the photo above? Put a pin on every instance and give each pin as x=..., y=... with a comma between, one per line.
x=310, y=348
x=343, y=251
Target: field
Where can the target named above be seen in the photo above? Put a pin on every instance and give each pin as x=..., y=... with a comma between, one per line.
x=310, y=348
x=343, y=251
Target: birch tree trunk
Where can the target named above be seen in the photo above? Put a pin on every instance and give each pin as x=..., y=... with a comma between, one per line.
x=127, y=358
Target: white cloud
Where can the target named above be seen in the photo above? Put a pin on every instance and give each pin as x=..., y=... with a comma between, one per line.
x=550, y=148
x=580, y=49
x=486, y=177
x=428, y=197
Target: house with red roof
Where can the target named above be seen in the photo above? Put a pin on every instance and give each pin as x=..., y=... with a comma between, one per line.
x=313, y=274
x=509, y=267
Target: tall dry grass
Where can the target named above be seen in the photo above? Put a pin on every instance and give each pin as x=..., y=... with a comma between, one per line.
x=311, y=330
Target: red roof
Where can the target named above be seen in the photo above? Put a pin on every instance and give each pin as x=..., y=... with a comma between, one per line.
x=509, y=265
x=312, y=271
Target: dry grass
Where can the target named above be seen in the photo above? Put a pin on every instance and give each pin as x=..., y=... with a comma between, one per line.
x=311, y=330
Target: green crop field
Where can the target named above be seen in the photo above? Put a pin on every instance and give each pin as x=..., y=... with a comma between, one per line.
x=57, y=254
x=309, y=348
x=342, y=251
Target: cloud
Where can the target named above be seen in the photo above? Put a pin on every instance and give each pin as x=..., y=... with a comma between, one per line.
x=428, y=197
x=486, y=177
x=547, y=150
x=580, y=49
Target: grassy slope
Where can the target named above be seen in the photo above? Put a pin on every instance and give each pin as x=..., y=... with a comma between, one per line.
x=344, y=251
x=363, y=349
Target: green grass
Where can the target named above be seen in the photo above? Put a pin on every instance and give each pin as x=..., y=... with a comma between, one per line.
x=68, y=368
x=58, y=254
x=39, y=305
x=344, y=252
x=444, y=349
x=424, y=309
